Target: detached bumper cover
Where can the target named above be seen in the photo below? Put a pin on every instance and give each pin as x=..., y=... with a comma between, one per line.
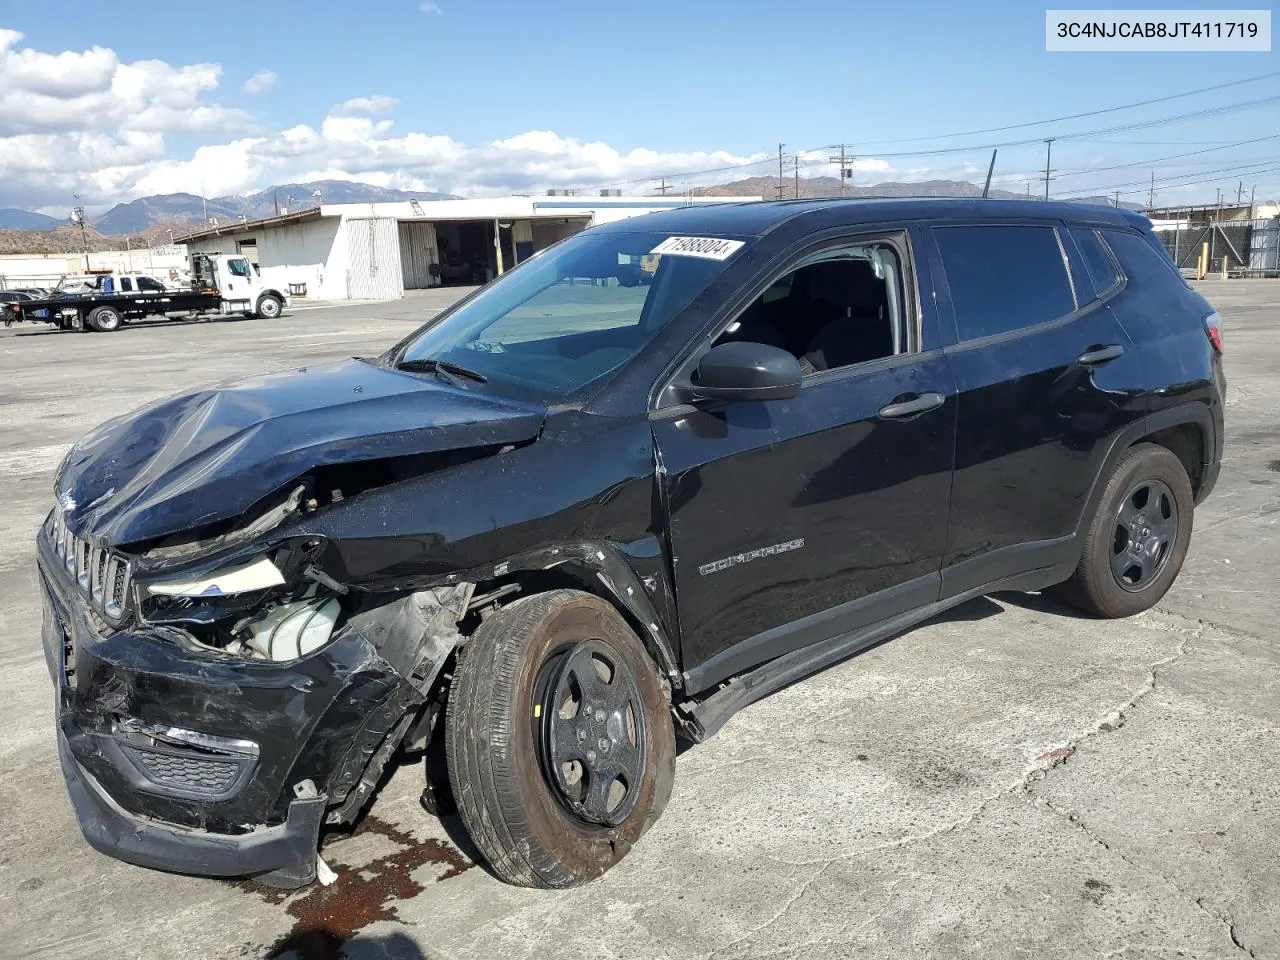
x=284, y=854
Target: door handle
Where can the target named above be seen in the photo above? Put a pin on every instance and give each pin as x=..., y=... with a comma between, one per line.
x=1098, y=355
x=922, y=403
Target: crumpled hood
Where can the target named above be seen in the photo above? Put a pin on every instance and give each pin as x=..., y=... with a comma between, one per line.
x=210, y=455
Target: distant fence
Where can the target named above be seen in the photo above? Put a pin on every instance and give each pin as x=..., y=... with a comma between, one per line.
x=1247, y=248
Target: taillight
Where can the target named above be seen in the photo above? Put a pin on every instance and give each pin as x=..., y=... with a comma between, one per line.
x=1213, y=329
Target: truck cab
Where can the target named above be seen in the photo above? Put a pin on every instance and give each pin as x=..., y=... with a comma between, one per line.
x=237, y=281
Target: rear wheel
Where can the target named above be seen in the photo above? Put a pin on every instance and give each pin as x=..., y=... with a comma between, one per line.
x=105, y=319
x=1135, y=546
x=561, y=752
x=269, y=307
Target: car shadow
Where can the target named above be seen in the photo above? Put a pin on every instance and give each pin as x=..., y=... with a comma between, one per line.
x=1044, y=602
x=324, y=945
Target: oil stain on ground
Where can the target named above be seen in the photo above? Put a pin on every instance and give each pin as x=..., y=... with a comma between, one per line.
x=327, y=917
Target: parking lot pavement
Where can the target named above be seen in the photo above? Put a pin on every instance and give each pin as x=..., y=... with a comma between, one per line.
x=1007, y=781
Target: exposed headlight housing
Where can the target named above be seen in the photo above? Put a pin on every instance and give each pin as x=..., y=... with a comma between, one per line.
x=276, y=606
x=259, y=574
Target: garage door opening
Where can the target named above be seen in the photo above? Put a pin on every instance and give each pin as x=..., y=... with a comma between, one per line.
x=457, y=253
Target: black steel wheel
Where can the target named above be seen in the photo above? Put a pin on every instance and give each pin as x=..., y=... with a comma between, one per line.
x=558, y=735
x=1135, y=545
x=1145, y=527
x=590, y=732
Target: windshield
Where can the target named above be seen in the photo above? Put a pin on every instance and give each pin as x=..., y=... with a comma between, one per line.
x=573, y=313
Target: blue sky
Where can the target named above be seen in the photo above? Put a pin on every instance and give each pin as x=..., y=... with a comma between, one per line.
x=695, y=83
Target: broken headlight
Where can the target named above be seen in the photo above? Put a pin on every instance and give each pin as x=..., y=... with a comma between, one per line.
x=278, y=606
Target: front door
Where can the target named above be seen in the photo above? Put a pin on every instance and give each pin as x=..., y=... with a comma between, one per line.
x=791, y=521
x=237, y=280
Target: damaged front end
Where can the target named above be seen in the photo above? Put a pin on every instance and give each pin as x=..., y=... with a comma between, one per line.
x=215, y=713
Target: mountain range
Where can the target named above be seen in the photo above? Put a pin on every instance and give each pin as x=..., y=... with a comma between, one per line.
x=153, y=218
x=186, y=210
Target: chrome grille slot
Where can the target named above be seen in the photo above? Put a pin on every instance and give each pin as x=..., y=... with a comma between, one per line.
x=98, y=576
x=117, y=575
x=83, y=565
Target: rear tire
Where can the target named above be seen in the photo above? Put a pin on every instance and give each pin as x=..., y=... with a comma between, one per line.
x=1138, y=538
x=105, y=319
x=498, y=740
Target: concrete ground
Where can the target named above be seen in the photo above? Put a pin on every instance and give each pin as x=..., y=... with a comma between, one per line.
x=1009, y=781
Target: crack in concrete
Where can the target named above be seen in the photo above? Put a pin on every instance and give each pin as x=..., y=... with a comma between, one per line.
x=1063, y=754
x=1035, y=773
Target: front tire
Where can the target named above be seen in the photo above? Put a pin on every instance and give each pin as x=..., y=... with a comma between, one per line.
x=1138, y=538
x=514, y=734
x=269, y=307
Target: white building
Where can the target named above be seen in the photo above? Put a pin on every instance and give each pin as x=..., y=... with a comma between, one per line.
x=376, y=251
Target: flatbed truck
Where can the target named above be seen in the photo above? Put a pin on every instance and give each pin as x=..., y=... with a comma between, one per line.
x=221, y=285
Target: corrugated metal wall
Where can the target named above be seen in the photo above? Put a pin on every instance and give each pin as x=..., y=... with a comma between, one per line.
x=373, y=264
x=418, y=253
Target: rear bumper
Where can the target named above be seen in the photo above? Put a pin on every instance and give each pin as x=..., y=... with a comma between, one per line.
x=284, y=855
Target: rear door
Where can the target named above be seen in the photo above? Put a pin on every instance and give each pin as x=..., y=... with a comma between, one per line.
x=1046, y=376
x=791, y=521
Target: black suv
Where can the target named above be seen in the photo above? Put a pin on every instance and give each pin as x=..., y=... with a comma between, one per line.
x=653, y=474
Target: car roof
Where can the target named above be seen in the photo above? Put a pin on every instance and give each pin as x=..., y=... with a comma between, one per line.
x=755, y=218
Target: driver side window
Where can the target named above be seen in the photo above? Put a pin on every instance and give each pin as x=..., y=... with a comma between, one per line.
x=836, y=309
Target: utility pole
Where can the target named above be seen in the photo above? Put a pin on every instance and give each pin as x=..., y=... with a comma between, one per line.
x=1048, y=152
x=662, y=189
x=1240, y=193
x=1151, y=194
x=77, y=215
x=797, y=171
x=780, y=146
x=1117, y=203
x=846, y=167
x=1252, y=191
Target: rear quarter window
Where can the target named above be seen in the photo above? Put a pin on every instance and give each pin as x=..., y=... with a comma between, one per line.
x=1098, y=264
x=1004, y=278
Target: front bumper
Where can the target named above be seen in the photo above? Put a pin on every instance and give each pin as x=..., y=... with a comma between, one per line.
x=312, y=726
x=284, y=855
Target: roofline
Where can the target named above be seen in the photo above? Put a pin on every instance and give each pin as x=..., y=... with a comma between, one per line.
x=240, y=226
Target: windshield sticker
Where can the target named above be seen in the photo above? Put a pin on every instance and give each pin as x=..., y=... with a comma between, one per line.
x=709, y=248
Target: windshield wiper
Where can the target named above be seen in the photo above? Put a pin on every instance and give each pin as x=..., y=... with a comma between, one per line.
x=451, y=371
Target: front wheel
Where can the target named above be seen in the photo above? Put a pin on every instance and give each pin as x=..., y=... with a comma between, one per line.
x=1138, y=539
x=269, y=307
x=560, y=748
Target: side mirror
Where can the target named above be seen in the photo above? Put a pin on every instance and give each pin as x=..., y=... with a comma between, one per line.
x=747, y=371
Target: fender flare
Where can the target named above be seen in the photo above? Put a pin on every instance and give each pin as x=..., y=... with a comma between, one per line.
x=1197, y=413
x=602, y=567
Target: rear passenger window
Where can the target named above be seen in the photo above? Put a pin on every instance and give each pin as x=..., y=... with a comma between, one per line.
x=1004, y=278
x=126, y=284
x=1097, y=260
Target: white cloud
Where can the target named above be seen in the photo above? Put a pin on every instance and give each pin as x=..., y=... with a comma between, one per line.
x=363, y=106
x=85, y=123
x=260, y=81
x=427, y=6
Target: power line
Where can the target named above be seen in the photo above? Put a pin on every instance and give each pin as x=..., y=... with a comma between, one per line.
x=1228, y=173
x=1173, y=156
x=1088, y=113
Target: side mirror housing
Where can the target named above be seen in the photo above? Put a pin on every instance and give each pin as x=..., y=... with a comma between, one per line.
x=747, y=371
